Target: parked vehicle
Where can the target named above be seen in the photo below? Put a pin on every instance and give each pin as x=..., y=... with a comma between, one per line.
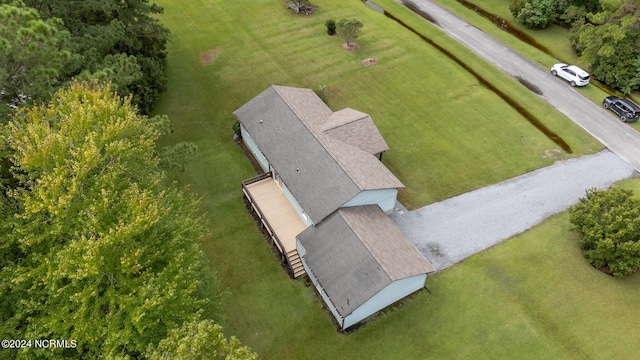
x=625, y=108
x=573, y=74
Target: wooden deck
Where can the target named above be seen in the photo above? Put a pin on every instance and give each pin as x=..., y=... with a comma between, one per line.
x=274, y=210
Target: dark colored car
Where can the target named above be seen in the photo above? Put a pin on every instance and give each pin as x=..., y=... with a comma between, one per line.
x=625, y=108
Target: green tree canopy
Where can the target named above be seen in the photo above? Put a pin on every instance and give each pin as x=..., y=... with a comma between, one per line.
x=107, y=40
x=98, y=248
x=538, y=14
x=33, y=56
x=608, y=42
x=609, y=226
x=349, y=29
x=200, y=340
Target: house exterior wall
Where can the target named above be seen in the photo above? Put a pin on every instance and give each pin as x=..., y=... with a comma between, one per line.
x=390, y=294
x=305, y=219
x=387, y=296
x=264, y=163
x=246, y=138
x=385, y=198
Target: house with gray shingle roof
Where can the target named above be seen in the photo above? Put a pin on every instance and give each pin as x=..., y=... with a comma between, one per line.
x=323, y=201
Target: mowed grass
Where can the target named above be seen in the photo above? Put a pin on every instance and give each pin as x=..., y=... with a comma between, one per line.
x=503, y=303
x=554, y=38
x=447, y=133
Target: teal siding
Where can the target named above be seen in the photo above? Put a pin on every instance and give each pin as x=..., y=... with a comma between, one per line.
x=387, y=296
x=385, y=198
x=305, y=218
x=246, y=138
x=393, y=292
x=301, y=250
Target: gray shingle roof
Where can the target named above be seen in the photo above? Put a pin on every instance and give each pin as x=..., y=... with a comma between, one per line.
x=322, y=173
x=356, y=252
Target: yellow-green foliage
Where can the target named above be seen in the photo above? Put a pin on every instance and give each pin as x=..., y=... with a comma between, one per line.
x=101, y=251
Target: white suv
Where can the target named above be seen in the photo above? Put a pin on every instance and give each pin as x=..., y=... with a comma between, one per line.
x=573, y=74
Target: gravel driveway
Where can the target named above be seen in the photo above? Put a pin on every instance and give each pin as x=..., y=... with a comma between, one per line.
x=451, y=230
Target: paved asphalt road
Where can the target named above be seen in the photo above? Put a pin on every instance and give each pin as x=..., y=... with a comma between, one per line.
x=449, y=231
x=602, y=124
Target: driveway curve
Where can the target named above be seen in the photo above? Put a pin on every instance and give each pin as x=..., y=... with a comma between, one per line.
x=449, y=231
x=615, y=135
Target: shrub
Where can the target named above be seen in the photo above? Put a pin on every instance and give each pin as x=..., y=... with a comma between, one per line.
x=321, y=94
x=331, y=27
x=236, y=128
x=609, y=225
x=538, y=14
x=535, y=15
x=515, y=6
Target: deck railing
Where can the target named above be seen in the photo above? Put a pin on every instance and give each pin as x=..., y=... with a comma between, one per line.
x=266, y=227
x=255, y=179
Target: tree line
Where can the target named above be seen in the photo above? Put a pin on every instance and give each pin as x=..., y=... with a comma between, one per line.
x=605, y=34
x=97, y=245
x=44, y=44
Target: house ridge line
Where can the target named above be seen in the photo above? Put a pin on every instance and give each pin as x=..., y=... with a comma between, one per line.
x=318, y=138
x=346, y=123
x=373, y=254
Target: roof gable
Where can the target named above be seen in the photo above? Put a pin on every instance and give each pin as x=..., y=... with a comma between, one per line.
x=358, y=251
x=355, y=128
x=345, y=268
x=386, y=243
x=364, y=169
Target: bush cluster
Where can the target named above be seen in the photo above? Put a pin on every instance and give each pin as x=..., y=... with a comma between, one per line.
x=331, y=27
x=609, y=226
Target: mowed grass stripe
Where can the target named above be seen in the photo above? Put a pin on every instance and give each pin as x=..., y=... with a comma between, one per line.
x=471, y=313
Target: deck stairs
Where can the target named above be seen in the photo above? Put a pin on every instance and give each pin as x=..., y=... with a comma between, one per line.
x=296, y=264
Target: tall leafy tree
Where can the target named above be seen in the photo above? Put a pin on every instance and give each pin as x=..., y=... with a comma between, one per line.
x=100, y=250
x=103, y=28
x=34, y=54
x=608, y=42
x=117, y=40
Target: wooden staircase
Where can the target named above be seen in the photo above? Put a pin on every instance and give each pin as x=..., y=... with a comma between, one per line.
x=296, y=264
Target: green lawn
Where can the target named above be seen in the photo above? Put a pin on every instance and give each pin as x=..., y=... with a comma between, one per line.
x=554, y=38
x=447, y=133
x=532, y=297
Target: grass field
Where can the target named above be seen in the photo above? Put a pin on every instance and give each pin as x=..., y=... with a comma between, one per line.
x=532, y=297
x=447, y=133
x=554, y=38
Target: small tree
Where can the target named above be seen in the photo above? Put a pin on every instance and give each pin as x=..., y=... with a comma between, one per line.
x=349, y=29
x=609, y=225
